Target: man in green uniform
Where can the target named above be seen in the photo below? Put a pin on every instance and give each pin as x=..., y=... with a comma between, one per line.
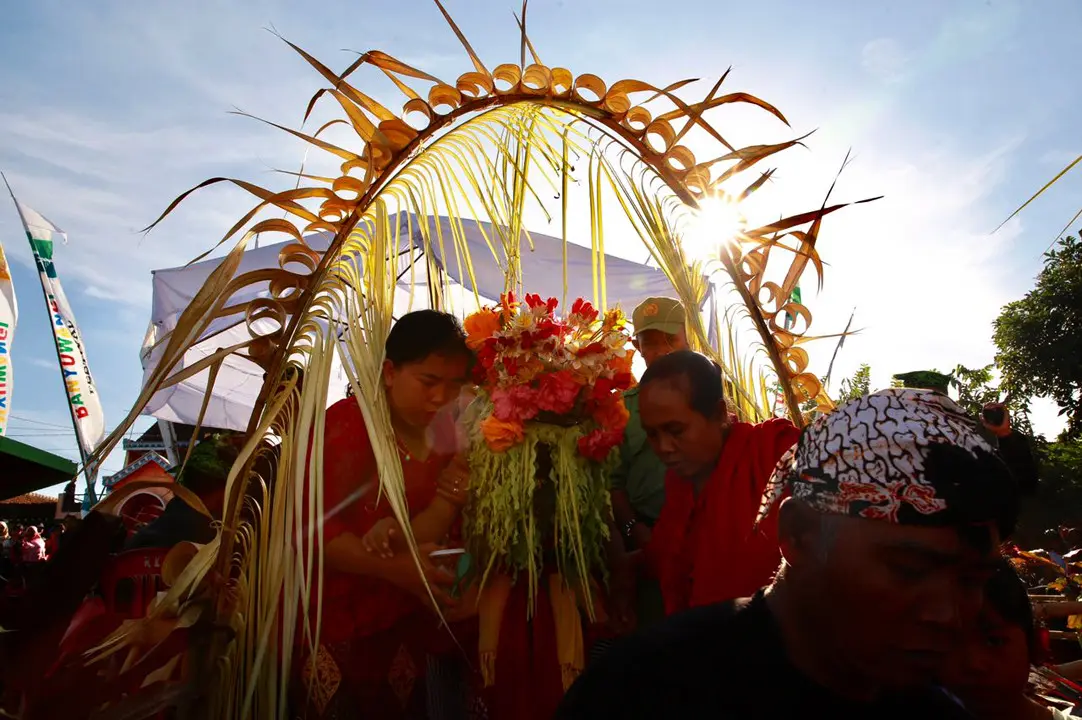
x=638, y=484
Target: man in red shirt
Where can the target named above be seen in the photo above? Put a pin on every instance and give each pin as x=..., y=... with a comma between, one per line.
x=705, y=547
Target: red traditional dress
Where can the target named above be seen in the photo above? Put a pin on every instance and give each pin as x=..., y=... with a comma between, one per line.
x=375, y=637
x=704, y=548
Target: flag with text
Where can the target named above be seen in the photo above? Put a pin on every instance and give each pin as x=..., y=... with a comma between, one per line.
x=82, y=395
x=9, y=315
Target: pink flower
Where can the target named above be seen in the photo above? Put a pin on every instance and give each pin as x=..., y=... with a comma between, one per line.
x=515, y=404
x=598, y=444
x=558, y=392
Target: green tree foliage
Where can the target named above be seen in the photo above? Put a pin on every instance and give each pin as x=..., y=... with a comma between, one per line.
x=1039, y=337
x=1059, y=494
x=211, y=457
x=975, y=389
x=858, y=385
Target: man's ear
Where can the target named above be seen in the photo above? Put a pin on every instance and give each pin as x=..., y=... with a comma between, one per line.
x=799, y=527
x=721, y=411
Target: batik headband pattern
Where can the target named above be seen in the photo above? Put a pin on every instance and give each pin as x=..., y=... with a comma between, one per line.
x=868, y=458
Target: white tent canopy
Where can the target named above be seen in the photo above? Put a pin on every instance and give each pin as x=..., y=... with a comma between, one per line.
x=239, y=380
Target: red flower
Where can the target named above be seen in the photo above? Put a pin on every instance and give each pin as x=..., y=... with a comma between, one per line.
x=602, y=389
x=597, y=444
x=479, y=374
x=585, y=310
x=623, y=380
x=486, y=355
x=547, y=327
x=534, y=301
x=514, y=404
x=511, y=366
x=594, y=347
x=558, y=391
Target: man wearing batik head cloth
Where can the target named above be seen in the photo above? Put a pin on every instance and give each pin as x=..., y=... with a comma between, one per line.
x=895, y=507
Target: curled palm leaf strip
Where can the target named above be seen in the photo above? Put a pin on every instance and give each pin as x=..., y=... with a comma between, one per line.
x=492, y=145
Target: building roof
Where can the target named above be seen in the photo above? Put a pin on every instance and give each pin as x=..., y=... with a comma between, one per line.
x=30, y=499
x=24, y=468
x=150, y=457
x=151, y=439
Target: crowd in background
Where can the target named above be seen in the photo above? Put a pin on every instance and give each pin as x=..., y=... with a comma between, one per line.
x=23, y=548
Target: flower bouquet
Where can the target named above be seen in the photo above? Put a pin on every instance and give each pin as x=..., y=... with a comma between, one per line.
x=546, y=427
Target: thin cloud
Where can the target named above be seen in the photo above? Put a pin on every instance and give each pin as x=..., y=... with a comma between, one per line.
x=884, y=59
x=42, y=362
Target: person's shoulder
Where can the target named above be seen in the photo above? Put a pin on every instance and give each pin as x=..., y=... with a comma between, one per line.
x=776, y=426
x=345, y=429
x=775, y=436
x=345, y=410
x=677, y=663
x=694, y=634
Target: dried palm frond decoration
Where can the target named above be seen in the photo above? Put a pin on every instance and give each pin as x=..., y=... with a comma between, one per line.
x=488, y=146
x=1044, y=188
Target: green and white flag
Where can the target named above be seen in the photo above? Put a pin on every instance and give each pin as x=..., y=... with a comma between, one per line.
x=790, y=319
x=83, y=397
x=9, y=315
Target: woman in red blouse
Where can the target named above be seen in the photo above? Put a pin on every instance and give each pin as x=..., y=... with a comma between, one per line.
x=378, y=624
x=705, y=547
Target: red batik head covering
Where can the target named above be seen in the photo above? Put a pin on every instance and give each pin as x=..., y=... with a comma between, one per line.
x=901, y=455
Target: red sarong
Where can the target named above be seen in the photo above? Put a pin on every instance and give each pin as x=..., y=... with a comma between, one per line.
x=377, y=634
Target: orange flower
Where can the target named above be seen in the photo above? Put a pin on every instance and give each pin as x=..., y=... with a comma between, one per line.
x=480, y=326
x=622, y=364
x=500, y=435
x=612, y=415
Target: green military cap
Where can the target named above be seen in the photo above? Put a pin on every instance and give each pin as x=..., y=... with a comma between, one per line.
x=925, y=380
x=659, y=313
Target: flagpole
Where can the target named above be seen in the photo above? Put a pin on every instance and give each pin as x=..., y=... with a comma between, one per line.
x=60, y=364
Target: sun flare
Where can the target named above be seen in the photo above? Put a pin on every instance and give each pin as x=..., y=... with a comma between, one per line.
x=714, y=225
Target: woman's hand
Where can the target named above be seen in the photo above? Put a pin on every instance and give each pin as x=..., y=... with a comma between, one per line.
x=454, y=482
x=465, y=607
x=382, y=538
x=402, y=571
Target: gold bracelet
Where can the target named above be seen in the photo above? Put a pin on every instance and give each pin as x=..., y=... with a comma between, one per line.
x=456, y=499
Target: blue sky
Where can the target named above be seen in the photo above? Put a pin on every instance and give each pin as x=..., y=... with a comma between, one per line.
x=956, y=111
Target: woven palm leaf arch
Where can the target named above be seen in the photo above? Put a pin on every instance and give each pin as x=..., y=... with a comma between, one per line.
x=488, y=144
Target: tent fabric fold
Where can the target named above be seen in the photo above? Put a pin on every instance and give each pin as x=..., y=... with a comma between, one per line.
x=239, y=380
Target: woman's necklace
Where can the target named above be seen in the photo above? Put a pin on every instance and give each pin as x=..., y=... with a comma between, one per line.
x=411, y=453
x=402, y=449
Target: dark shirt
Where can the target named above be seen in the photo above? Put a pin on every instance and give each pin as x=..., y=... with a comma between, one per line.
x=722, y=661
x=179, y=522
x=1017, y=455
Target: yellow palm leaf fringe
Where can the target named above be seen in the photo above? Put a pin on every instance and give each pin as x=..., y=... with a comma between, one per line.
x=492, y=144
